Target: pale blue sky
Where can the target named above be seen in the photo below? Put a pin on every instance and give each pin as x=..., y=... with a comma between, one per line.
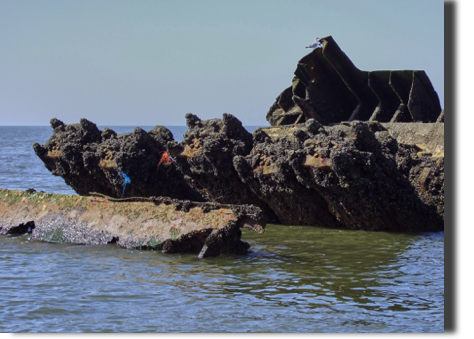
x=151, y=62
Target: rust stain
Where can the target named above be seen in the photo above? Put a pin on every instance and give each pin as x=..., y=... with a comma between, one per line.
x=191, y=149
x=269, y=169
x=317, y=162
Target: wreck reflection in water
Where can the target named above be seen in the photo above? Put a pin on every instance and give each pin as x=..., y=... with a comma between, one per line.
x=297, y=279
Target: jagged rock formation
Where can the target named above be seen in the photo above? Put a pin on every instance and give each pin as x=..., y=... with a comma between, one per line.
x=352, y=175
x=425, y=169
x=205, y=158
x=125, y=165
x=358, y=175
x=269, y=174
x=349, y=148
x=356, y=172
x=328, y=87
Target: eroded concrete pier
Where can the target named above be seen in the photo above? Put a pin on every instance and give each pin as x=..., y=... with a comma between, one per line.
x=165, y=224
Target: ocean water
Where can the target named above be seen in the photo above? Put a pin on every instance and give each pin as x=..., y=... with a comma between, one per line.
x=295, y=279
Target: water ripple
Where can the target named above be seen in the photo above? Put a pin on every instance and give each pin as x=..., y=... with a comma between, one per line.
x=296, y=279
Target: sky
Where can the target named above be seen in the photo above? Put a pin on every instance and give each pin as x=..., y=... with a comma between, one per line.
x=145, y=63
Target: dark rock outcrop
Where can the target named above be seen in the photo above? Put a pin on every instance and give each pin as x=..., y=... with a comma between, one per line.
x=129, y=164
x=354, y=172
x=358, y=175
x=205, y=157
x=355, y=175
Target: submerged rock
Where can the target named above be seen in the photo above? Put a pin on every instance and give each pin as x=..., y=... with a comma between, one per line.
x=169, y=225
x=124, y=165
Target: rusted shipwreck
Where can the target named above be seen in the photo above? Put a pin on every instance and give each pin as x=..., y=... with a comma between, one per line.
x=329, y=88
x=169, y=225
x=347, y=149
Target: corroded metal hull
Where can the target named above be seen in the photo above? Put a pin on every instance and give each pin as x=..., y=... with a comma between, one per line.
x=329, y=88
x=165, y=224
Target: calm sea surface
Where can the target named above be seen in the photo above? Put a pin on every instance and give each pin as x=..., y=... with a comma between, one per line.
x=296, y=279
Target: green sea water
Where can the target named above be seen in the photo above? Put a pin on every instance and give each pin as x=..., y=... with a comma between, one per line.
x=295, y=279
